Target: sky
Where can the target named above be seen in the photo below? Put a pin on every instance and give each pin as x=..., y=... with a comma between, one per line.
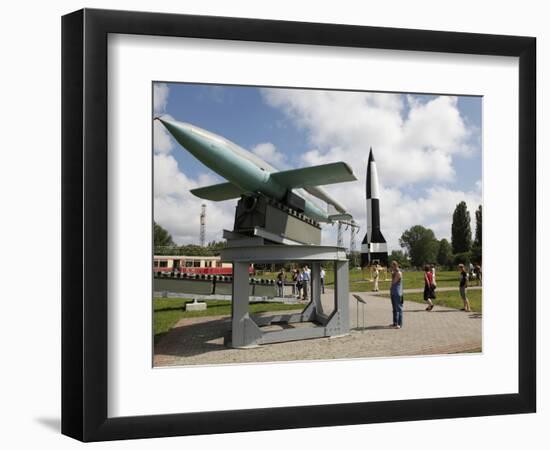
x=427, y=149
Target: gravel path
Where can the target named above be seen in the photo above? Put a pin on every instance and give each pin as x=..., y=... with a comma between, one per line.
x=443, y=330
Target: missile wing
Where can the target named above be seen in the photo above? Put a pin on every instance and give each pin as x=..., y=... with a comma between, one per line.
x=290, y=179
x=218, y=192
x=246, y=173
x=314, y=176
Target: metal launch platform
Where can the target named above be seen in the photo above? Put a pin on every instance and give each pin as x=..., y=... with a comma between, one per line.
x=252, y=243
x=246, y=330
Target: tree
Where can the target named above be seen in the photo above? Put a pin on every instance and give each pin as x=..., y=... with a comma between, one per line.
x=477, y=240
x=400, y=257
x=215, y=247
x=476, y=247
x=421, y=245
x=161, y=237
x=463, y=258
x=461, y=233
x=444, y=253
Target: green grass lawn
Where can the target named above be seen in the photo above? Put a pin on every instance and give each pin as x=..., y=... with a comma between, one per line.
x=451, y=299
x=411, y=280
x=359, y=281
x=168, y=311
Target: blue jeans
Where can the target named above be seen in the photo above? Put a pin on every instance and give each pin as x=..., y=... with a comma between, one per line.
x=397, y=308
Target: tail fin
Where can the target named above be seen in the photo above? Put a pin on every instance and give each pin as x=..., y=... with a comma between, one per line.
x=340, y=217
x=336, y=215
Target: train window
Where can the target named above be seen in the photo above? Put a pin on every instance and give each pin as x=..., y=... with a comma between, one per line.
x=208, y=264
x=155, y=263
x=188, y=263
x=196, y=263
x=163, y=263
x=218, y=264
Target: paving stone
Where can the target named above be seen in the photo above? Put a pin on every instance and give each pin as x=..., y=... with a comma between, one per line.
x=440, y=331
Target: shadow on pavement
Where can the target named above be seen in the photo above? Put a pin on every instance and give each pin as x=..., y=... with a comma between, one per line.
x=194, y=339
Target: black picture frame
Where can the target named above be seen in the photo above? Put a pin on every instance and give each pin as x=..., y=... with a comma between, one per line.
x=84, y=224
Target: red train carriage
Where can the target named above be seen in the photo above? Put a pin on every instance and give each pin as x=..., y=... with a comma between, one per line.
x=210, y=265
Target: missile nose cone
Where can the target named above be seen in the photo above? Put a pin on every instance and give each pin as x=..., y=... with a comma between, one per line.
x=182, y=132
x=201, y=144
x=371, y=156
x=172, y=124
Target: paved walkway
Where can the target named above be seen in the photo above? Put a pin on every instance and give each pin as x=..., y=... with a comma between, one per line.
x=443, y=330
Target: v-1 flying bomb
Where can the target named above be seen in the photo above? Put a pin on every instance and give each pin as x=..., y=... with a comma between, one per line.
x=249, y=175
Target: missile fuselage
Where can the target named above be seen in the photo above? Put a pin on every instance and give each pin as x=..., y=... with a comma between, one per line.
x=374, y=247
x=237, y=165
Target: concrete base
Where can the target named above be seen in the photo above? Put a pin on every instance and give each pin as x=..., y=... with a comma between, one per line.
x=195, y=306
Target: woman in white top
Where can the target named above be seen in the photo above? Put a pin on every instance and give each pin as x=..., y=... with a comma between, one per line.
x=376, y=275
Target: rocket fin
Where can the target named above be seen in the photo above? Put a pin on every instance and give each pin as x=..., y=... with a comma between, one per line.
x=377, y=236
x=218, y=192
x=314, y=176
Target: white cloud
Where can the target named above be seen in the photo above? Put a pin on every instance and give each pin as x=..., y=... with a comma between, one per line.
x=399, y=211
x=268, y=152
x=413, y=142
x=409, y=148
x=162, y=141
x=177, y=210
x=160, y=97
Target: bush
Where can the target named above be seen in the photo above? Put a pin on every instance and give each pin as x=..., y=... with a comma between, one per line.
x=476, y=254
x=462, y=258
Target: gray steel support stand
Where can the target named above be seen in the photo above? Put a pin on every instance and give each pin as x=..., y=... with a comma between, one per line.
x=339, y=322
x=316, y=287
x=246, y=331
x=243, y=330
x=314, y=308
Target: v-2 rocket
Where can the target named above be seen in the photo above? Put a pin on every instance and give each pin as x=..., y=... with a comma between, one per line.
x=374, y=249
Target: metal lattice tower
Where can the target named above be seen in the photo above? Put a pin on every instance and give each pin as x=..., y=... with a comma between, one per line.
x=340, y=236
x=203, y=225
x=353, y=233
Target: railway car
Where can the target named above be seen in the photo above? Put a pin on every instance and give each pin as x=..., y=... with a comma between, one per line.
x=207, y=265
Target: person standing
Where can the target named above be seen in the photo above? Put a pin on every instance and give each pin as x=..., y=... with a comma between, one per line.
x=463, y=286
x=396, y=295
x=300, y=282
x=306, y=278
x=295, y=290
x=477, y=274
x=322, y=277
x=281, y=283
x=375, y=277
x=429, y=288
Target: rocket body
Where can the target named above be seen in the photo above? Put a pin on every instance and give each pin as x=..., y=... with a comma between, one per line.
x=248, y=174
x=374, y=249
